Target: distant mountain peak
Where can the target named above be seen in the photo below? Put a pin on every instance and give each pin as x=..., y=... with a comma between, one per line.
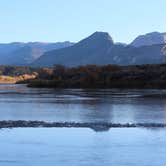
x=97, y=39
x=149, y=39
x=101, y=36
x=153, y=33
x=81, y=53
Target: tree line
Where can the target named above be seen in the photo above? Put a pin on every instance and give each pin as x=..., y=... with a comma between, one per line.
x=108, y=76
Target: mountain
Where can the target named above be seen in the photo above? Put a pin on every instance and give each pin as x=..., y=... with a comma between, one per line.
x=100, y=49
x=25, y=53
x=119, y=43
x=149, y=39
x=153, y=54
x=88, y=50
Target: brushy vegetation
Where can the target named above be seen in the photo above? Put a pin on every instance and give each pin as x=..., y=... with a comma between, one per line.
x=19, y=70
x=92, y=76
x=109, y=76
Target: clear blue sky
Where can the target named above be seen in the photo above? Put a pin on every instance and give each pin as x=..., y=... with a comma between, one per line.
x=60, y=20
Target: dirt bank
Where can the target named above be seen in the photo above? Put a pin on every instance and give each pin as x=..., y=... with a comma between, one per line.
x=13, y=80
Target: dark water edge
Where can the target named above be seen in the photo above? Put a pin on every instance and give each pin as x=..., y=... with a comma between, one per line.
x=120, y=84
x=94, y=126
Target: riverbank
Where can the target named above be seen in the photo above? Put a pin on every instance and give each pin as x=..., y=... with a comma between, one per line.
x=15, y=79
x=88, y=77
x=110, y=76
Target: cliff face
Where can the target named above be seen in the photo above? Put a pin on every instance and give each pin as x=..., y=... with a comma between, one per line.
x=13, y=80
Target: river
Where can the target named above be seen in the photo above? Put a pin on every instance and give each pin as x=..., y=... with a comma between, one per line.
x=82, y=146
x=17, y=102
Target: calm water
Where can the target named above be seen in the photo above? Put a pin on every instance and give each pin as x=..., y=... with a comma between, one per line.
x=82, y=147
x=17, y=102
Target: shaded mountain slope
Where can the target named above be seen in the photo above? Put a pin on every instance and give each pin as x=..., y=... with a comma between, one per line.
x=100, y=49
x=149, y=39
x=26, y=53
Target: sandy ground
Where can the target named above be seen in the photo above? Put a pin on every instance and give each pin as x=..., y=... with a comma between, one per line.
x=13, y=80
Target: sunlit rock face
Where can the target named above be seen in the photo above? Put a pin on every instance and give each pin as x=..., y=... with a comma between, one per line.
x=163, y=50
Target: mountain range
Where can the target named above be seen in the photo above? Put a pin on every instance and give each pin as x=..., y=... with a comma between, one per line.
x=18, y=53
x=149, y=39
x=99, y=48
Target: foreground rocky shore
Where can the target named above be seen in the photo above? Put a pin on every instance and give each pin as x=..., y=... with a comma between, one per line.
x=95, y=126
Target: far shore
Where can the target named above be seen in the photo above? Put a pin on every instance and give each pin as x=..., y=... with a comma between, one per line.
x=96, y=126
x=150, y=76
x=15, y=79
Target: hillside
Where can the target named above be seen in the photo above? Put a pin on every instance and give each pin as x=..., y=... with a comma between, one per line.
x=25, y=53
x=100, y=49
x=87, y=51
x=149, y=39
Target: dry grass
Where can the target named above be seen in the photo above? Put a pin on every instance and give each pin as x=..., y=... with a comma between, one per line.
x=13, y=80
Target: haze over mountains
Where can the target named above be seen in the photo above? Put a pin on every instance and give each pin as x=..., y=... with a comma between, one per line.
x=19, y=53
x=99, y=48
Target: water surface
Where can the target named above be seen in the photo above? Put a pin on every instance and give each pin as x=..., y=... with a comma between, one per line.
x=83, y=147
x=17, y=102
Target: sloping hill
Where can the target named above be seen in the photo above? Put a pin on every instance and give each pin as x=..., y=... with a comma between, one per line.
x=26, y=53
x=99, y=49
x=149, y=39
x=89, y=50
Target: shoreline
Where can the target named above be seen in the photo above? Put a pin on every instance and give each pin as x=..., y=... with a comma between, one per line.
x=97, y=126
x=14, y=79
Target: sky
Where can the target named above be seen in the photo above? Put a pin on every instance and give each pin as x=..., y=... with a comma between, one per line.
x=73, y=20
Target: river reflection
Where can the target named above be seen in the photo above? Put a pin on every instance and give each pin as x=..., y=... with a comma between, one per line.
x=64, y=147
x=17, y=102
